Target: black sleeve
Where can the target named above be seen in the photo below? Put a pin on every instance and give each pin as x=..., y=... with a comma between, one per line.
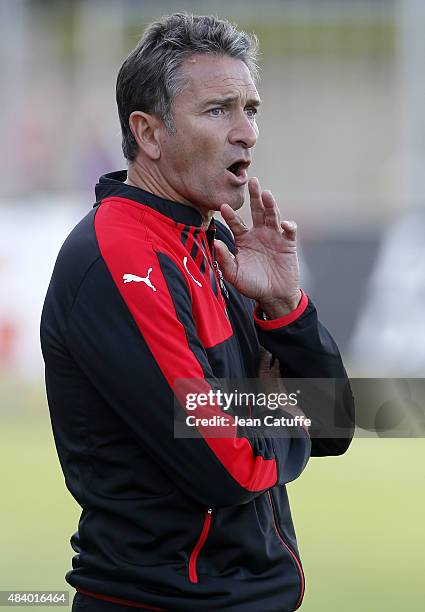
x=305, y=349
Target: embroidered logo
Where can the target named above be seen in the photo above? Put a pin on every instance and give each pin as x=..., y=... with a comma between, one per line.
x=132, y=278
x=191, y=276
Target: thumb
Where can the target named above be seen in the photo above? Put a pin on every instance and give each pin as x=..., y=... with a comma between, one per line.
x=226, y=261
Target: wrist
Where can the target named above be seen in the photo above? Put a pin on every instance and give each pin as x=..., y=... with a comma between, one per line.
x=280, y=307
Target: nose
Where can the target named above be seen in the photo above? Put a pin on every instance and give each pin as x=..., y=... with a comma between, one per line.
x=244, y=132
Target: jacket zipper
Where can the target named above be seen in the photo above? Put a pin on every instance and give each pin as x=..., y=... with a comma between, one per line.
x=220, y=279
x=193, y=576
x=288, y=548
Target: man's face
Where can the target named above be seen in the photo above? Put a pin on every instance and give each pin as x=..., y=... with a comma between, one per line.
x=205, y=162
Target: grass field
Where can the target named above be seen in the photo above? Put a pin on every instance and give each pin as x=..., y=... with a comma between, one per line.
x=359, y=518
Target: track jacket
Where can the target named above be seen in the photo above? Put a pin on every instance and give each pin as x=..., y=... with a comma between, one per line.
x=135, y=302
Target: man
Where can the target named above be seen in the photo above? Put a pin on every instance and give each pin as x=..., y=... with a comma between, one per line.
x=137, y=302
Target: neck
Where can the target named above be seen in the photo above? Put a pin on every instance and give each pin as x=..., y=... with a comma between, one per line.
x=138, y=176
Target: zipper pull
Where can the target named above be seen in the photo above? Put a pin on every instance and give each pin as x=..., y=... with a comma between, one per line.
x=221, y=280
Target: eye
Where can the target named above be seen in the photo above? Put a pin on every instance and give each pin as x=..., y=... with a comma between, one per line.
x=216, y=111
x=251, y=111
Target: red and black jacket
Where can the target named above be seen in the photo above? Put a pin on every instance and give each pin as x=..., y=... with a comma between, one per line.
x=136, y=302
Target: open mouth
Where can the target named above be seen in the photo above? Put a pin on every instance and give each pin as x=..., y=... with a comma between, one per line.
x=238, y=168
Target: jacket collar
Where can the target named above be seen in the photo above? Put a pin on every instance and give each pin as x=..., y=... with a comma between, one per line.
x=113, y=185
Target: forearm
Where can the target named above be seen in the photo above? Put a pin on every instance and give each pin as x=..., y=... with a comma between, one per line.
x=306, y=350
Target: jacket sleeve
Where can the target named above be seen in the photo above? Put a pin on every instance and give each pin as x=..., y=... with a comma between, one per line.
x=133, y=340
x=305, y=349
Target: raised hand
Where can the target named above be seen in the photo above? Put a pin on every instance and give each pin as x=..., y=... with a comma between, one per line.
x=266, y=264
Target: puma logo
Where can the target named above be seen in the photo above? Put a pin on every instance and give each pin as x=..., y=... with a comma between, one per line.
x=132, y=278
x=192, y=277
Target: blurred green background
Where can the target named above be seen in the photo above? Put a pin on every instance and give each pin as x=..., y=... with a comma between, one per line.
x=359, y=517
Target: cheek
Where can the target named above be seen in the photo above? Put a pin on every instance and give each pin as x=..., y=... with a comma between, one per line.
x=200, y=156
x=197, y=151
x=178, y=158
x=210, y=152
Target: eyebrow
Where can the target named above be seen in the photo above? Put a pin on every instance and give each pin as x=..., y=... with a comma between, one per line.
x=227, y=100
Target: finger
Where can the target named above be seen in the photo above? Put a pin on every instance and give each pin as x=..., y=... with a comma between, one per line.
x=255, y=202
x=275, y=369
x=290, y=229
x=233, y=220
x=226, y=261
x=271, y=210
x=269, y=367
x=264, y=363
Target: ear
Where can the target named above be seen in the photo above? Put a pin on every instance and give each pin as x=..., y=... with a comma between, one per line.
x=145, y=129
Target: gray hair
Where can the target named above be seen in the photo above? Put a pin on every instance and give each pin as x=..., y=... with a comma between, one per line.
x=150, y=77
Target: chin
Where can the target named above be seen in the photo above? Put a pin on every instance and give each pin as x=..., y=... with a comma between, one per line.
x=236, y=202
x=233, y=197
x=235, y=206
